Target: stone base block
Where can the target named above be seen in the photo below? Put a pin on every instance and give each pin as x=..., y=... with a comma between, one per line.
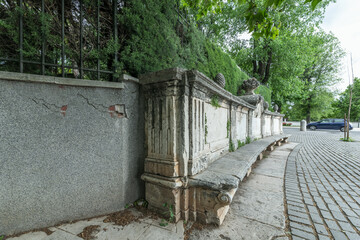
x=163, y=200
x=249, y=172
x=210, y=206
x=278, y=143
x=162, y=167
x=270, y=148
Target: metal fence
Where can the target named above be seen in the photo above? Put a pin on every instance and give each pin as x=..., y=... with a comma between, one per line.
x=61, y=63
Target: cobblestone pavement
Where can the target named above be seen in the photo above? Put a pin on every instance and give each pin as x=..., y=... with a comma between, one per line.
x=322, y=186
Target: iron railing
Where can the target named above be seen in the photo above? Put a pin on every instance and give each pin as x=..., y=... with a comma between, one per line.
x=61, y=63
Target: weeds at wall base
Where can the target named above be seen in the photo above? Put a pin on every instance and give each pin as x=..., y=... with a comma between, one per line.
x=347, y=140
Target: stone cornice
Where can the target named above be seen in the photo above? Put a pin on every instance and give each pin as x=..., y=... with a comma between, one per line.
x=201, y=79
x=162, y=76
x=276, y=114
x=25, y=77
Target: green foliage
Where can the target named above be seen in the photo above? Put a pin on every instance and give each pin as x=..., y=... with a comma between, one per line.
x=228, y=125
x=2, y=237
x=138, y=203
x=266, y=93
x=220, y=62
x=215, y=101
x=170, y=212
x=341, y=106
x=257, y=18
x=231, y=146
x=240, y=144
x=206, y=129
x=156, y=40
x=347, y=139
x=152, y=35
x=247, y=140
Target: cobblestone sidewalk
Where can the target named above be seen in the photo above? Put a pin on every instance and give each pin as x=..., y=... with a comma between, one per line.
x=322, y=186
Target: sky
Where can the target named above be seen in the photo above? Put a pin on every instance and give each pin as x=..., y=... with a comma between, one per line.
x=343, y=20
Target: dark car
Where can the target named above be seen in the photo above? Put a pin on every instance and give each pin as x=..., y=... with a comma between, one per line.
x=331, y=123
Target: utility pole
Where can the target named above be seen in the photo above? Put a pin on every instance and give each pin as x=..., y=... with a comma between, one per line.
x=351, y=87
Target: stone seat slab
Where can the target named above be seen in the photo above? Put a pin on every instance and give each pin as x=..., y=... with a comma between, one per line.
x=229, y=170
x=218, y=183
x=214, y=180
x=231, y=165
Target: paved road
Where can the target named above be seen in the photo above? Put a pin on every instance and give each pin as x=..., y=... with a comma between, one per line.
x=322, y=186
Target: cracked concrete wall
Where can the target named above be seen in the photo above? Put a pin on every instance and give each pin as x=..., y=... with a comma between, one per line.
x=67, y=152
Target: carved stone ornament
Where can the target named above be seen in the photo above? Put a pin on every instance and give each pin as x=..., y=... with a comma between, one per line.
x=220, y=79
x=250, y=85
x=252, y=99
x=266, y=105
x=224, y=198
x=276, y=108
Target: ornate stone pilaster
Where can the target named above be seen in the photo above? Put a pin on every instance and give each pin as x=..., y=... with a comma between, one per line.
x=166, y=117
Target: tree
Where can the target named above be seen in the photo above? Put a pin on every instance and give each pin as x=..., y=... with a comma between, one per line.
x=278, y=62
x=342, y=104
x=322, y=67
x=257, y=19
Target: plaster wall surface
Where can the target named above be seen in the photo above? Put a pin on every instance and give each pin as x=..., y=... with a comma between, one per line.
x=241, y=129
x=217, y=119
x=256, y=127
x=277, y=127
x=67, y=152
x=267, y=126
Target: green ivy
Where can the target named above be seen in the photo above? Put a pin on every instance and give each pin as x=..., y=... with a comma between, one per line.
x=228, y=123
x=206, y=129
x=240, y=144
x=215, y=101
x=266, y=93
x=231, y=146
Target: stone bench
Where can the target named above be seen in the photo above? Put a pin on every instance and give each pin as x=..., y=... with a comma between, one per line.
x=211, y=191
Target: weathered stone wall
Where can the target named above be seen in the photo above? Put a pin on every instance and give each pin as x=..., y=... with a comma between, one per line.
x=70, y=149
x=242, y=123
x=190, y=121
x=267, y=126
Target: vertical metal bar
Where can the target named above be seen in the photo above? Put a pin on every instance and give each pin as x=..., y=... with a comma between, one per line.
x=115, y=35
x=21, y=37
x=81, y=40
x=43, y=37
x=98, y=38
x=62, y=38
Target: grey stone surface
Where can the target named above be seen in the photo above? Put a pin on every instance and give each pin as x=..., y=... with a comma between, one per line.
x=257, y=208
x=32, y=78
x=303, y=125
x=256, y=213
x=66, y=153
x=143, y=228
x=325, y=173
x=228, y=171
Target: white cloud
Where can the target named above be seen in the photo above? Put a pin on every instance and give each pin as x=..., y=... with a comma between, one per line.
x=343, y=19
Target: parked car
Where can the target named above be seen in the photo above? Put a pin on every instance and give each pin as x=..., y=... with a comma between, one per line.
x=331, y=123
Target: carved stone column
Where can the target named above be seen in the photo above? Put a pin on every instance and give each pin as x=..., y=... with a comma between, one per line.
x=166, y=117
x=233, y=124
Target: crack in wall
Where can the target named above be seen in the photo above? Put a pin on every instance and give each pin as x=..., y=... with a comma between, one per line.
x=95, y=106
x=50, y=106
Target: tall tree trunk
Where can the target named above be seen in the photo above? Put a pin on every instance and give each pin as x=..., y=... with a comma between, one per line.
x=267, y=69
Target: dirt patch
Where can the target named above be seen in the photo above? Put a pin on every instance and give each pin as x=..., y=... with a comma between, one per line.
x=127, y=216
x=47, y=231
x=88, y=232
x=122, y=218
x=190, y=227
